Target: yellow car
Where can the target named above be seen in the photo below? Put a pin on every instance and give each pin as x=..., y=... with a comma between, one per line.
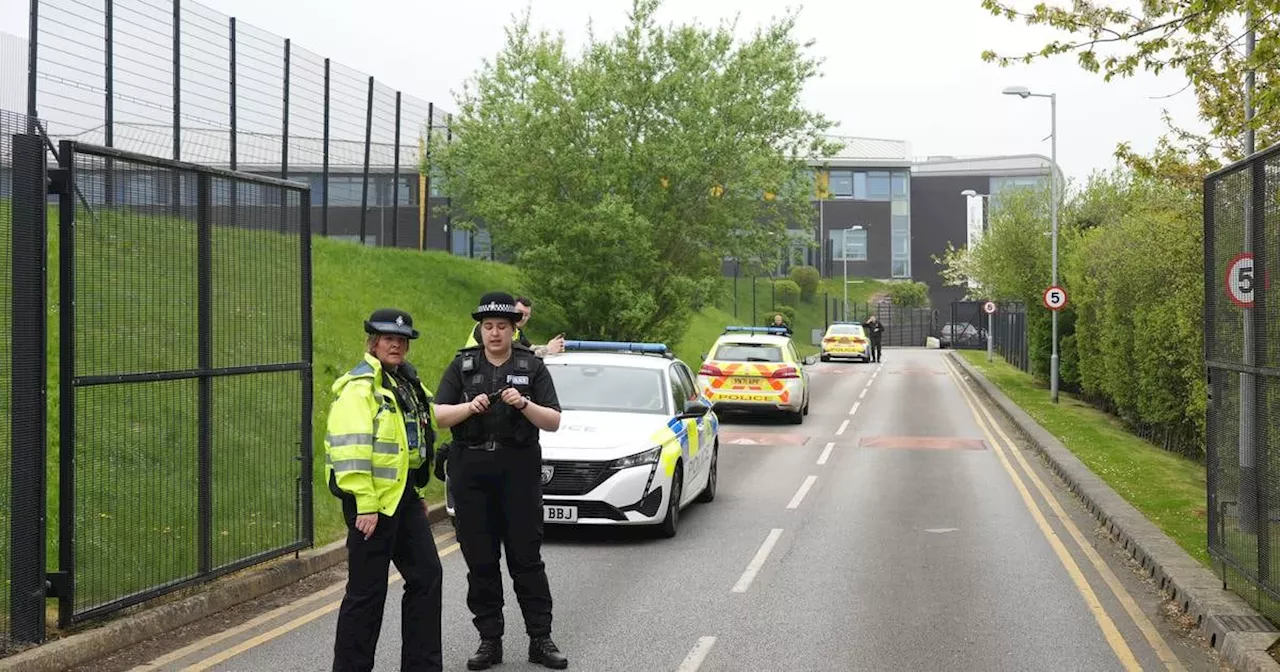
x=845, y=340
x=755, y=370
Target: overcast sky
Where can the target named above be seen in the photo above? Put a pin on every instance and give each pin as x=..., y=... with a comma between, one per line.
x=906, y=69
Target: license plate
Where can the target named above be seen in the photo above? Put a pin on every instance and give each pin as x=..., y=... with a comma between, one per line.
x=744, y=380
x=560, y=514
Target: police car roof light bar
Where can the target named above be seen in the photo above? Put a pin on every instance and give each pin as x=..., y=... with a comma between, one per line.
x=617, y=346
x=780, y=331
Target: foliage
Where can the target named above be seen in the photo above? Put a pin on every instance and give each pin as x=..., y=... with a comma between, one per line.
x=808, y=278
x=619, y=179
x=1201, y=38
x=909, y=294
x=787, y=292
x=788, y=314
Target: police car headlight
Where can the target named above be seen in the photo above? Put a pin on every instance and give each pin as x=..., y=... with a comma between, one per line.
x=647, y=457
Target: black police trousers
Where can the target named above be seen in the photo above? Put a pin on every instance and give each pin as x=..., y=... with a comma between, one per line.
x=405, y=539
x=875, y=349
x=497, y=499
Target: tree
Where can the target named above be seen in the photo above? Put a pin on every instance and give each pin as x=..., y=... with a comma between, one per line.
x=1201, y=38
x=620, y=179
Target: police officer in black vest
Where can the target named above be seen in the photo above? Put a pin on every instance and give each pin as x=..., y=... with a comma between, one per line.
x=497, y=396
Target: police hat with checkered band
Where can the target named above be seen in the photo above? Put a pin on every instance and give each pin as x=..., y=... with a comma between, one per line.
x=497, y=304
x=390, y=321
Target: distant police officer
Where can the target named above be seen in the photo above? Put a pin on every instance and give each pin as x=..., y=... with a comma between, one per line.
x=379, y=442
x=496, y=396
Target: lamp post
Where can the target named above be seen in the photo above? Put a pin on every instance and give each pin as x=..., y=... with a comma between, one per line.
x=1024, y=92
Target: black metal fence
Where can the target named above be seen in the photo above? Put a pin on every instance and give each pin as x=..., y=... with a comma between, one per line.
x=1241, y=217
x=1010, y=331
x=23, y=446
x=904, y=327
x=967, y=330
x=174, y=78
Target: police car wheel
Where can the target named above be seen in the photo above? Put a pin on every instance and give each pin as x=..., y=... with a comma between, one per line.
x=709, y=493
x=671, y=523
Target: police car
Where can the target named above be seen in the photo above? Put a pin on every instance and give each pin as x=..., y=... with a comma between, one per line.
x=756, y=370
x=636, y=443
x=845, y=340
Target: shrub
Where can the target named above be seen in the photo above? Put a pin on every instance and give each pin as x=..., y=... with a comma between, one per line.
x=807, y=278
x=909, y=294
x=786, y=292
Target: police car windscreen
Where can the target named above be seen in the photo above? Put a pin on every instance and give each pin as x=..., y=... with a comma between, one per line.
x=616, y=389
x=747, y=352
x=846, y=330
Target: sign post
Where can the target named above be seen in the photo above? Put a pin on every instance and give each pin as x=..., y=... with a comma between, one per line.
x=990, y=309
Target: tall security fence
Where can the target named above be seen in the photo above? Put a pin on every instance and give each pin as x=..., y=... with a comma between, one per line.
x=967, y=330
x=23, y=445
x=904, y=327
x=1243, y=367
x=176, y=79
x=182, y=373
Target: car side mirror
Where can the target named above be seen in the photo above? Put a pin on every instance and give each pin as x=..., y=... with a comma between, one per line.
x=703, y=356
x=693, y=409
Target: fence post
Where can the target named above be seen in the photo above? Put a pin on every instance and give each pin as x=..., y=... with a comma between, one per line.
x=234, y=134
x=64, y=587
x=448, y=200
x=1260, y=397
x=424, y=183
x=204, y=357
x=284, y=137
x=176, y=186
x=33, y=36
x=395, y=182
x=368, y=138
x=307, y=443
x=324, y=173
x=109, y=102
x=753, y=300
x=27, y=413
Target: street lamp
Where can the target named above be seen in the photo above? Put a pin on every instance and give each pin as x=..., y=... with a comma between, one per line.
x=1024, y=92
x=844, y=252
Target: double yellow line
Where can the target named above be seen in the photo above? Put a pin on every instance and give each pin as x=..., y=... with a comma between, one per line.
x=334, y=600
x=988, y=424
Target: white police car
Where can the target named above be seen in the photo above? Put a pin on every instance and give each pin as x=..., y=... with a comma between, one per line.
x=635, y=437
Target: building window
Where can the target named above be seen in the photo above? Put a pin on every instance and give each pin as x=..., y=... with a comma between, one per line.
x=899, y=186
x=878, y=186
x=840, y=183
x=901, y=269
x=848, y=244
x=860, y=186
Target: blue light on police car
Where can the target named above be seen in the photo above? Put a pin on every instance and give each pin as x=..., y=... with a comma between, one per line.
x=780, y=331
x=614, y=346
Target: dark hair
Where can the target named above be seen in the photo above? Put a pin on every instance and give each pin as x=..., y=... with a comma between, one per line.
x=525, y=300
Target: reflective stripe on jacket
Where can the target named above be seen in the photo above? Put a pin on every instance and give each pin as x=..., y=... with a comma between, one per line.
x=367, y=447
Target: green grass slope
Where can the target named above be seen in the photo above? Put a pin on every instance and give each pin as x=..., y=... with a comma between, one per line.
x=136, y=462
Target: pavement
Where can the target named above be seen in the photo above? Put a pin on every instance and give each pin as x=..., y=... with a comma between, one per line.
x=899, y=527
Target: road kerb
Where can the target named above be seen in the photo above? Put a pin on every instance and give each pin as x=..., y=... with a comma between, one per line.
x=124, y=631
x=1182, y=579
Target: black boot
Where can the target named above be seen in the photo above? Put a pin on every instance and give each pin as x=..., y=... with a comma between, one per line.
x=488, y=655
x=544, y=652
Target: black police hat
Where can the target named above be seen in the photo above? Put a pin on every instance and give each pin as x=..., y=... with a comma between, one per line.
x=390, y=321
x=497, y=304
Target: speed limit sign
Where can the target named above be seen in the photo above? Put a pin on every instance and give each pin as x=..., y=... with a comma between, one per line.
x=989, y=307
x=1055, y=298
x=1239, y=280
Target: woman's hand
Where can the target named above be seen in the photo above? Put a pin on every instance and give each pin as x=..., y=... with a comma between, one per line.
x=366, y=522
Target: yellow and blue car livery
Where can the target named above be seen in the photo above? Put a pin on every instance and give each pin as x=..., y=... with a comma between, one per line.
x=637, y=440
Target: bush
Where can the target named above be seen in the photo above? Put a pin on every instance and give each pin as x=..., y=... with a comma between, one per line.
x=786, y=292
x=909, y=294
x=788, y=314
x=808, y=279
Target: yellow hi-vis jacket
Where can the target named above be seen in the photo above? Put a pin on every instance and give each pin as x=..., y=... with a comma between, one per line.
x=367, y=446
x=472, y=342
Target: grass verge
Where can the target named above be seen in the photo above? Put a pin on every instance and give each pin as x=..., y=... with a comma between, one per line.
x=1168, y=489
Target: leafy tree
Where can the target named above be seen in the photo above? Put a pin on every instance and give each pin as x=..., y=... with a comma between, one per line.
x=619, y=179
x=909, y=294
x=808, y=279
x=1204, y=39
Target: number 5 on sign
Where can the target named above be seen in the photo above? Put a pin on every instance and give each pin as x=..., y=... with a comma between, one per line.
x=1239, y=280
x=1055, y=298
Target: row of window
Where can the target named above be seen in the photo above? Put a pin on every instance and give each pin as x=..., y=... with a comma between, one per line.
x=865, y=185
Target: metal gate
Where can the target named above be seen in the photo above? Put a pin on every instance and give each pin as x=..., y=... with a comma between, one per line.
x=185, y=375
x=903, y=327
x=1243, y=368
x=967, y=327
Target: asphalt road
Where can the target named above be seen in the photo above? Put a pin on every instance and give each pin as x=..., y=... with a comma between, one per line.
x=891, y=530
